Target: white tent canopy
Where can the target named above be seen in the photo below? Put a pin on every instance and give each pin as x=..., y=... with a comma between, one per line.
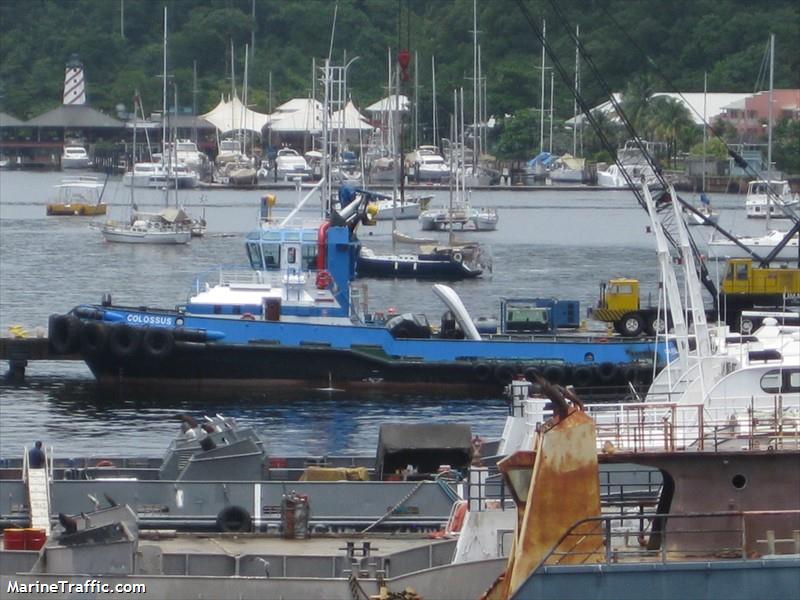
x=233, y=115
x=350, y=119
x=297, y=115
x=391, y=103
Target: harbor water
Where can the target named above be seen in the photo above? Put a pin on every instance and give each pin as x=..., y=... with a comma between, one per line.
x=548, y=244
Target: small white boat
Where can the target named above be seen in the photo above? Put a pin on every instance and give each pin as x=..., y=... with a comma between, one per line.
x=145, y=174
x=484, y=219
x=290, y=164
x=410, y=209
x=425, y=164
x=75, y=157
x=758, y=202
x=761, y=245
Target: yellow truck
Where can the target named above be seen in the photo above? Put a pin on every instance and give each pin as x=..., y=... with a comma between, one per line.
x=744, y=287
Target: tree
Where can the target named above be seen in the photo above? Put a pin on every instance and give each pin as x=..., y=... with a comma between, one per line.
x=668, y=117
x=519, y=136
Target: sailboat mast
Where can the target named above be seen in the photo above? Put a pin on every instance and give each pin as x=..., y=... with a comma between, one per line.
x=475, y=87
x=577, y=90
x=769, y=125
x=705, y=131
x=453, y=177
x=433, y=93
x=550, y=143
x=164, y=96
x=541, y=104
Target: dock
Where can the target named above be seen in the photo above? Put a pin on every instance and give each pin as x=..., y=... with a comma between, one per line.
x=19, y=350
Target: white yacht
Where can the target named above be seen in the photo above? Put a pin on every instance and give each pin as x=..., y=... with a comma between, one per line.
x=290, y=164
x=75, y=157
x=145, y=174
x=759, y=202
x=425, y=164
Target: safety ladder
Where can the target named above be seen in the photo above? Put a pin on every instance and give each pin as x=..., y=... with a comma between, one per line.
x=38, y=484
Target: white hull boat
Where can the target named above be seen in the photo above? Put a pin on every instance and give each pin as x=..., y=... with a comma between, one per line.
x=759, y=203
x=763, y=245
x=140, y=233
x=75, y=157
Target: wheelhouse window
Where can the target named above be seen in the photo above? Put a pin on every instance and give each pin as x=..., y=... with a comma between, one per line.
x=272, y=256
x=308, y=258
x=291, y=255
x=781, y=382
x=254, y=255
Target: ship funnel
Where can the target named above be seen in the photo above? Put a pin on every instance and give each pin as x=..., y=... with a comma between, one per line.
x=74, y=86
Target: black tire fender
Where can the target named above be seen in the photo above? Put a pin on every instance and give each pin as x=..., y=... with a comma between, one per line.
x=554, y=374
x=124, y=340
x=504, y=373
x=94, y=338
x=531, y=373
x=607, y=372
x=158, y=342
x=482, y=371
x=583, y=376
x=63, y=333
x=234, y=518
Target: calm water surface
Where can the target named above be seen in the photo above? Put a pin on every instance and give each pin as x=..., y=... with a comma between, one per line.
x=548, y=243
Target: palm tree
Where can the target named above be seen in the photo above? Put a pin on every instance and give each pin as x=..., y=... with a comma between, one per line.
x=668, y=117
x=636, y=100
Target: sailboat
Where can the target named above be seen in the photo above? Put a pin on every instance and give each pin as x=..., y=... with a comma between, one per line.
x=434, y=261
x=168, y=226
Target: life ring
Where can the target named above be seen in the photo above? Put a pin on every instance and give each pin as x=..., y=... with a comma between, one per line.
x=554, y=374
x=124, y=340
x=63, y=333
x=607, y=372
x=93, y=338
x=324, y=280
x=104, y=464
x=248, y=317
x=482, y=371
x=457, y=516
x=582, y=376
x=457, y=257
x=158, y=342
x=504, y=373
x=234, y=518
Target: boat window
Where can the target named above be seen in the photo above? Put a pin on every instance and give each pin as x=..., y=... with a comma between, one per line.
x=309, y=257
x=771, y=382
x=742, y=272
x=292, y=236
x=291, y=255
x=792, y=381
x=254, y=255
x=272, y=256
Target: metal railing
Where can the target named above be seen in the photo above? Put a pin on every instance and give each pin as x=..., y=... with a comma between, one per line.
x=689, y=537
x=671, y=427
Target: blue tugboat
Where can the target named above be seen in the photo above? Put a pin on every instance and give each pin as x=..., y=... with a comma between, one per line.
x=292, y=317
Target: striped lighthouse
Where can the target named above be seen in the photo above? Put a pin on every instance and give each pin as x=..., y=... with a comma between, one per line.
x=74, y=86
